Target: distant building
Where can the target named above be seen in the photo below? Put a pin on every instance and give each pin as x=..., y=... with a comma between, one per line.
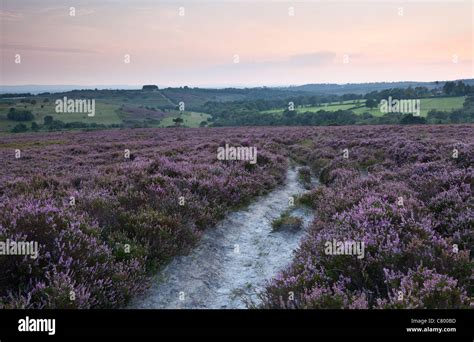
x=150, y=87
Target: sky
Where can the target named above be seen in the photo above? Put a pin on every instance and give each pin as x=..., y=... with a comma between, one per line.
x=233, y=43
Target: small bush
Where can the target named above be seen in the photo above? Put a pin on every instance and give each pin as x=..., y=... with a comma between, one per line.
x=287, y=222
x=304, y=176
x=20, y=115
x=19, y=128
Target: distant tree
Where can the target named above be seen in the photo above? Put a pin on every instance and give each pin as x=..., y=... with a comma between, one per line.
x=178, y=121
x=33, y=102
x=34, y=126
x=20, y=128
x=150, y=87
x=46, y=100
x=449, y=87
x=20, y=115
x=203, y=124
x=366, y=116
x=371, y=103
x=290, y=114
x=460, y=88
x=48, y=120
x=456, y=116
x=438, y=116
x=409, y=119
x=58, y=124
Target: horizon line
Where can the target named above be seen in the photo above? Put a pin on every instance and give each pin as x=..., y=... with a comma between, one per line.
x=221, y=86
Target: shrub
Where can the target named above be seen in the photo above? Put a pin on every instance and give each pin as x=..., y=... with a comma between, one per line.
x=304, y=176
x=19, y=128
x=287, y=222
x=20, y=115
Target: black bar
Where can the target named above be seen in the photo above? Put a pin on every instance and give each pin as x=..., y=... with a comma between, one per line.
x=241, y=323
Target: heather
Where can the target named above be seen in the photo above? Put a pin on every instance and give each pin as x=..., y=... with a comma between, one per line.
x=409, y=200
x=130, y=216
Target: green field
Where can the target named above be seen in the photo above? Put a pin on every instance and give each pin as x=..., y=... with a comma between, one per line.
x=191, y=119
x=332, y=107
x=104, y=114
x=426, y=104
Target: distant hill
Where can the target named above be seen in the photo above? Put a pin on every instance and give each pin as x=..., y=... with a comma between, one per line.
x=58, y=88
x=363, y=88
x=238, y=93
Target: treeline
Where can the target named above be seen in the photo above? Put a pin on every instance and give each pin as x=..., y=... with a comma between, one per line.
x=402, y=93
x=49, y=124
x=59, y=125
x=342, y=118
x=320, y=118
x=458, y=88
x=14, y=95
x=247, y=117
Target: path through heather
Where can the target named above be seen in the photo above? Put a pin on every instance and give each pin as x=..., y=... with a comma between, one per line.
x=233, y=260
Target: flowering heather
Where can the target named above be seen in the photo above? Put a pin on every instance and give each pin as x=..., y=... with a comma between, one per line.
x=130, y=216
x=403, y=194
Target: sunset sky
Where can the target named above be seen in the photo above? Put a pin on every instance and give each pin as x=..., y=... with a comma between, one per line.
x=200, y=48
